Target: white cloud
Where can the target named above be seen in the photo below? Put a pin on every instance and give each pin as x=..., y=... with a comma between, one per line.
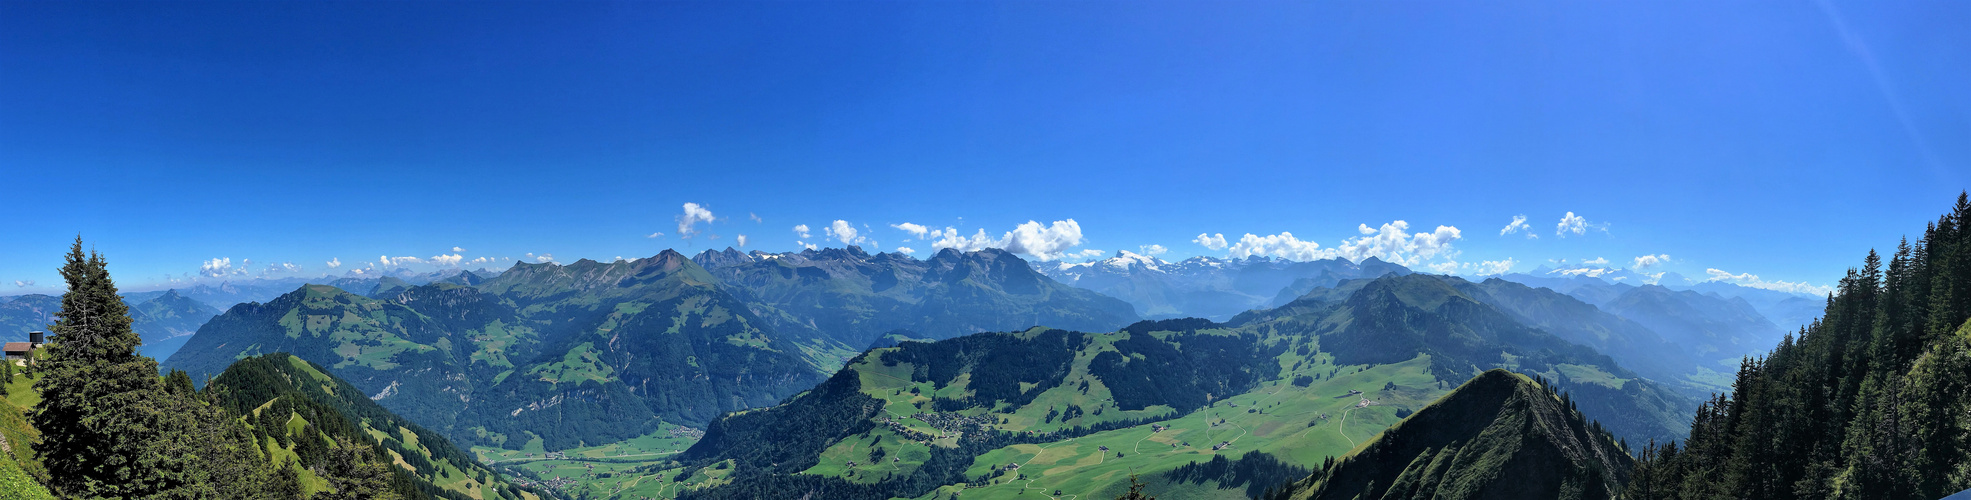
x=1571, y=223
x=458, y=250
x=447, y=260
x=335, y=263
x=1086, y=253
x=1592, y=272
x=809, y=246
x=688, y=221
x=398, y=261
x=1283, y=245
x=1491, y=267
x=1153, y=249
x=1598, y=261
x=1215, y=242
x=654, y=235
x=216, y=267
x=23, y=284
x=481, y=260
x=288, y=267
x=802, y=231
x=546, y=257
x=1044, y=242
x=1446, y=267
x=1648, y=261
x=619, y=258
x=915, y=230
x=844, y=232
x=1391, y=242
x=1519, y=225
x=1752, y=280
x=1577, y=225
x=754, y=216
x=906, y=250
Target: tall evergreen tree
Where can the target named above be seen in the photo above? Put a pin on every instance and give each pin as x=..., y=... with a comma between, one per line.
x=356, y=474
x=95, y=390
x=109, y=428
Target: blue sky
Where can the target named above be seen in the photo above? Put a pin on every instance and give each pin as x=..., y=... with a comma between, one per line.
x=1782, y=139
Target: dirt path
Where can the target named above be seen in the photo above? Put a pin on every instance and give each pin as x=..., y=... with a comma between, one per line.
x=1344, y=435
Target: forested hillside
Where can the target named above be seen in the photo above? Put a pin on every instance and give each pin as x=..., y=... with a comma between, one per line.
x=1872, y=401
x=300, y=413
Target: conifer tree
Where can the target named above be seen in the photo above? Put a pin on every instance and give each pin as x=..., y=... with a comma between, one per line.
x=109, y=428
x=95, y=392
x=356, y=474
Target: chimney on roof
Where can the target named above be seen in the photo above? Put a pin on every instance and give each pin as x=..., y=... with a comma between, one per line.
x=36, y=337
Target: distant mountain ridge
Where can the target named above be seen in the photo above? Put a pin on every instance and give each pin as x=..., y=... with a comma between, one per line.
x=1209, y=287
x=855, y=297
x=1714, y=323
x=572, y=355
x=1394, y=318
x=166, y=321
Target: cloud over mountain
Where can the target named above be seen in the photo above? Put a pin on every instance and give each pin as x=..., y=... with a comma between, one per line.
x=692, y=216
x=1043, y=242
x=1519, y=225
x=844, y=232
x=1214, y=242
x=1648, y=261
x=1753, y=280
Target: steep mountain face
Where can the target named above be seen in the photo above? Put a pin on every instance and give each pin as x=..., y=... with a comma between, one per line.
x=1708, y=328
x=587, y=353
x=1394, y=318
x=1207, y=287
x=1636, y=347
x=27, y=313
x=853, y=297
x=1499, y=436
x=166, y=321
x=297, y=408
x=405, y=360
x=628, y=343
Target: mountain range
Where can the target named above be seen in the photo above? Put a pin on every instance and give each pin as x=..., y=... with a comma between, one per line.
x=563, y=356
x=1208, y=287
x=994, y=414
x=856, y=297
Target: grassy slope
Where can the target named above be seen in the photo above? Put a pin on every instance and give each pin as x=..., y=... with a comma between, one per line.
x=17, y=460
x=460, y=478
x=1079, y=466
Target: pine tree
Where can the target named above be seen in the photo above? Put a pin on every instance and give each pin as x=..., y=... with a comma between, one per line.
x=109, y=428
x=95, y=415
x=1136, y=490
x=356, y=474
